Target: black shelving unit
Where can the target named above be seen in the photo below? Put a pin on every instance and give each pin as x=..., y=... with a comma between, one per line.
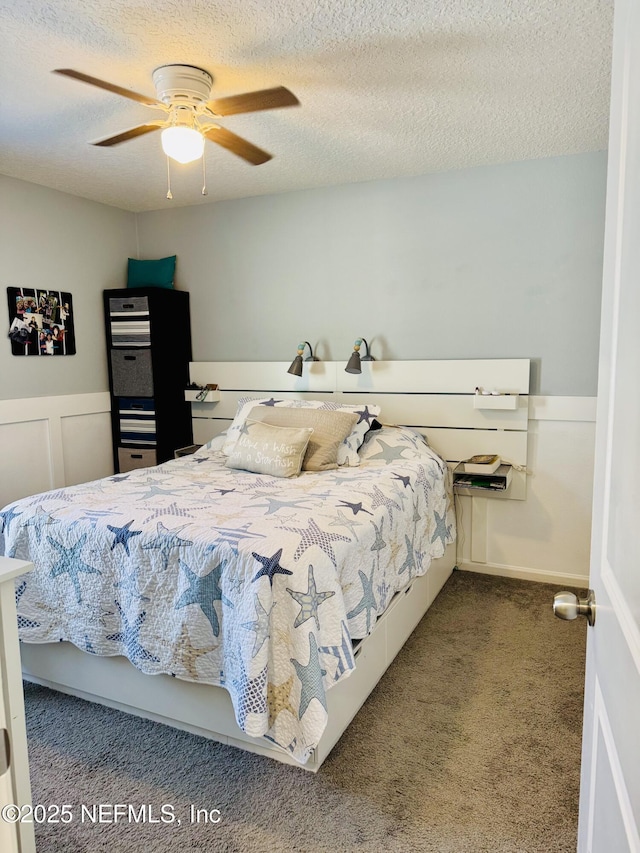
x=148, y=333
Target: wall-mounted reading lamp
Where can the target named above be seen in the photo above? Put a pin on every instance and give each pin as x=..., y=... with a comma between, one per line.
x=353, y=365
x=296, y=365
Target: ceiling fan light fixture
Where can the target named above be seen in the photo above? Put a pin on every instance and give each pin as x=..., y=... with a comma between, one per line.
x=183, y=94
x=183, y=144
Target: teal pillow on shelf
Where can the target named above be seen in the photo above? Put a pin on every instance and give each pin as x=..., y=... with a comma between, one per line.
x=158, y=273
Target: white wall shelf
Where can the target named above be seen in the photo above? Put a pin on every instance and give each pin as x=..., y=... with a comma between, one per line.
x=497, y=483
x=192, y=396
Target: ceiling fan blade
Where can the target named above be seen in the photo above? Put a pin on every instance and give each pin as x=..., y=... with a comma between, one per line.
x=110, y=87
x=237, y=145
x=252, y=102
x=128, y=134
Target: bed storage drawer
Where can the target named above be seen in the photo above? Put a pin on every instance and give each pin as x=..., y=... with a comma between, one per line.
x=129, y=321
x=132, y=373
x=130, y=458
x=401, y=620
x=137, y=419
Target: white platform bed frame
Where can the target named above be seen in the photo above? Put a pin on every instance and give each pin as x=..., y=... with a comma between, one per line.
x=436, y=397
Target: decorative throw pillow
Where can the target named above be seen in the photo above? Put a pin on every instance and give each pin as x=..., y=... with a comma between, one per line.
x=267, y=449
x=329, y=431
x=348, y=450
x=157, y=273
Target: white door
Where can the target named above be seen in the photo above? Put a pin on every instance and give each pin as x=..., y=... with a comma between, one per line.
x=610, y=783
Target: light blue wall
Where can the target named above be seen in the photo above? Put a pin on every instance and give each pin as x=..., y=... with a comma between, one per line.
x=56, y=241
x=492, y=262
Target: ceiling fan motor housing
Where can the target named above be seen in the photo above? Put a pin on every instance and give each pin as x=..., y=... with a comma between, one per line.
x=182, y=85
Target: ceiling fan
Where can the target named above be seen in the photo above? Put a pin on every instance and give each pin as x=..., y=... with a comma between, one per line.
x=183, y=95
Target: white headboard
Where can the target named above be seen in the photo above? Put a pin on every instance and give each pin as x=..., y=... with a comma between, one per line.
x=437, y=397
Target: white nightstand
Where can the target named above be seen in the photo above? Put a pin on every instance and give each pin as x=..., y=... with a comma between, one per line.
x=15, y=786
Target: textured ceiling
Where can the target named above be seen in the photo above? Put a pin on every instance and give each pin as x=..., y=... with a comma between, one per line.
x=387, y=88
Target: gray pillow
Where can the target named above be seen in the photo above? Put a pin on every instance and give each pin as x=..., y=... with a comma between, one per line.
x=267, y=449
x=330, y=428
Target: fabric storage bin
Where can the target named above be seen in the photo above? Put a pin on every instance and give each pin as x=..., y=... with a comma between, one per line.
x=137, y=418
x=130, y=458
x=129, y=321
x=132, y=373
x=128, y=304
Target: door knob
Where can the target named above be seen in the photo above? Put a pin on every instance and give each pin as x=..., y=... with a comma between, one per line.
x=567, y=605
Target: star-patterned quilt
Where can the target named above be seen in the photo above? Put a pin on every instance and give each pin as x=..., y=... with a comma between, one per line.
x=254, y=583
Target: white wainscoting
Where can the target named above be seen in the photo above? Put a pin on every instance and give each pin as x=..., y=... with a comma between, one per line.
x=547, y=537
x=51, y=442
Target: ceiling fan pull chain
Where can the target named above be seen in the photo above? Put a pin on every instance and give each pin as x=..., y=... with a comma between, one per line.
x=169, y=193
x=204, y=176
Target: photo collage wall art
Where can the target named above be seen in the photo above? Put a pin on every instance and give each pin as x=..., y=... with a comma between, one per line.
x=41, y=322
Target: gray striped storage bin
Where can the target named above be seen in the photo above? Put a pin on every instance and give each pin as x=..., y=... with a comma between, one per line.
x=129, y=321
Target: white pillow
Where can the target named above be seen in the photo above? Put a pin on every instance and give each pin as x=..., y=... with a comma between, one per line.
x=348, y=450
x=394, y=442
x=216, y=443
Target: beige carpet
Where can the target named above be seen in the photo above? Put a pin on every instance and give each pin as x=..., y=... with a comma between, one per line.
x=464, y=747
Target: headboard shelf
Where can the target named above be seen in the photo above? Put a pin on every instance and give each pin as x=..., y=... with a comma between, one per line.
x=455, y=376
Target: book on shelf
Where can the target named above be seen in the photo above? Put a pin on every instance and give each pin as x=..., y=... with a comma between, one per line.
x=469, y=481
x=482, y=464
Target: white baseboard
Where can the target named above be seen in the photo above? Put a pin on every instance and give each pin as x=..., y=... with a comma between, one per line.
x=525, y=574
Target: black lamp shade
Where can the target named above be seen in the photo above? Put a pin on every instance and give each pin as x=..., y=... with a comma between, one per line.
x=353, y=365
x=296, y=366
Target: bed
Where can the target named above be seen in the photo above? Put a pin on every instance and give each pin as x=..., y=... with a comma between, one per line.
x=274, y=663
x=254, y=583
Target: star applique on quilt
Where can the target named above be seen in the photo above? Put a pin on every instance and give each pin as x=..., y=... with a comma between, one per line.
x=309, y=601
